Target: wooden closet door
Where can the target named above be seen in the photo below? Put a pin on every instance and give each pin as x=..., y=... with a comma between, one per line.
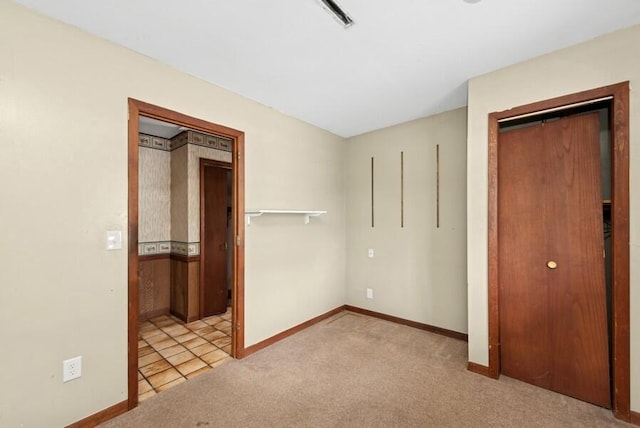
x=214, y=245
x=553, y=313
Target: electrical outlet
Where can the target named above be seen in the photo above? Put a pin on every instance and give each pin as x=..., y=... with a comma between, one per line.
x=370, y=253
x=71, y=369
x=370, y=293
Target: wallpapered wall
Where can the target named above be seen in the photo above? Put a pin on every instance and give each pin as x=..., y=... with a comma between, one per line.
x=169, y=196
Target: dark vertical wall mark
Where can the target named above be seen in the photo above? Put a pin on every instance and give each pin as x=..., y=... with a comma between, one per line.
x=401, y=189
x=438, y=185
x=372, y=204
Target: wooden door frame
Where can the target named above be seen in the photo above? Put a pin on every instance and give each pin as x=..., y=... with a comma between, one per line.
x=619, y=124
x=202, y=164
x=140, y=108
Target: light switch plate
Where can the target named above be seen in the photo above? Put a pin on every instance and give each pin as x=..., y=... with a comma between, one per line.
x=370, y=253
x=114, y=240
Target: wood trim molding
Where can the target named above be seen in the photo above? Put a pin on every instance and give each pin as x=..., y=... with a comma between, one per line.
x=136, y=109
x=153, y=257
x=620, y=238
x=102, y=416
x=635, y=418
x=291, y=331
x=186, y=259
x=480, y=369
x=620, y=232
x=426, y=327
x=132, y=272
x=493, y=292
x=237, y=301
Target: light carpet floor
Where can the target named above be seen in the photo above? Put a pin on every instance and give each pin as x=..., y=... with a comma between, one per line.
x=352, y=370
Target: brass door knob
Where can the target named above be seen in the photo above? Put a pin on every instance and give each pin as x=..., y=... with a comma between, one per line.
x=551, y=264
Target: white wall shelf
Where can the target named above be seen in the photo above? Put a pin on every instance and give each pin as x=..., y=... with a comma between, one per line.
x=306, y=214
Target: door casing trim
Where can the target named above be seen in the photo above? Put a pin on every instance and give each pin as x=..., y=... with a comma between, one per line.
x=138, y=108
x=619, y=92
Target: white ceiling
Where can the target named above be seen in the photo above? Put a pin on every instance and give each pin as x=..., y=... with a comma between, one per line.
x=401, y=60
x=158, y=128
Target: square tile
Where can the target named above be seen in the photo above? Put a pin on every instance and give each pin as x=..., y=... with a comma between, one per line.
x=159, y=318
x=157, y=337
x=144, y=386
x=163, y=377
x=176, y=330
x=171, y=384
x=214, y=356
x=168, y=350
x=190, y=344
x=166, y=323
x=191, y=366
x=198, y=372
x=196, y=325
x=180, y=358
x=220, y=362
x=155, y=368
x=172, y=350
x=222, y=342
x=185, y=337
x=163, y=344
x=146, y=326
x=203, y=349
x=145, y=351
x=148, y=359
x=227, y=349
x=212, y=320
x=205, y=330
x=223, y=324
x=149, y=334
x=217, y=334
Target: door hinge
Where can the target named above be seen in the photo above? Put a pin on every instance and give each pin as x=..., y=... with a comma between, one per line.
x=237, y=326
x=238, y=240
x=238, y=155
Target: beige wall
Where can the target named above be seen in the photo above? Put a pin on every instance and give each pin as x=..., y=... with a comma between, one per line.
x=62, y=294
x=606, y=60
x=419, y=271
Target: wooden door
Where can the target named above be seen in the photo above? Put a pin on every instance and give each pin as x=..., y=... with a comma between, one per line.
x=553, y=318
x=214, y=239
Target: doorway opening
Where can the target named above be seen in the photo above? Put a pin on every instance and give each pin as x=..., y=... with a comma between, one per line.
x=166, y=255
x=615, y=210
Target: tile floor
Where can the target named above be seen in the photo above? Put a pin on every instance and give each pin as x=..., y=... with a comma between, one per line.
x=170, y=351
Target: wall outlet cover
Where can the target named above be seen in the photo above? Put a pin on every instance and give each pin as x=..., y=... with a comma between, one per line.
x=71, y=369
